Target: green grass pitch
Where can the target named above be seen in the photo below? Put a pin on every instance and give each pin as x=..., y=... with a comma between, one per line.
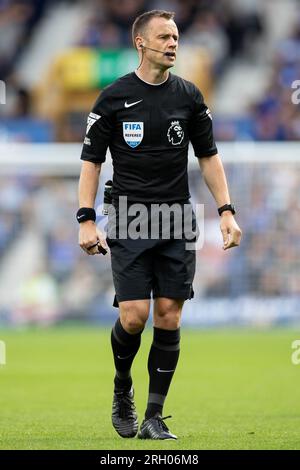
x=233, y=389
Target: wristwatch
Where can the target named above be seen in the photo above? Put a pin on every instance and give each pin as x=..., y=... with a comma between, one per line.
x=227, y=207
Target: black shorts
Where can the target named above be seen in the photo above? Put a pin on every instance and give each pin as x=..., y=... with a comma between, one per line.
x=163, y=267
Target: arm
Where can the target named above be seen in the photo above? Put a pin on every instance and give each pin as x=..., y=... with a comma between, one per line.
x=214, y=176
x=96, y=142
x=87, y=191
x=88, y=183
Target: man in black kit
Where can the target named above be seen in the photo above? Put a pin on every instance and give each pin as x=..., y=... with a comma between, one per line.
x=147, y=119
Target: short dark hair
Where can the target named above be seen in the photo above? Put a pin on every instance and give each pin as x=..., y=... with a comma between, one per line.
x=141, y=21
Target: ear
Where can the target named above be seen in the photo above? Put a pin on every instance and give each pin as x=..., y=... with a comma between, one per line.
x=139, y=43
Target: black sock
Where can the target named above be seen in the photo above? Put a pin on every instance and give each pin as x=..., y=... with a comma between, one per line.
x=162, y=362
x=124, y=346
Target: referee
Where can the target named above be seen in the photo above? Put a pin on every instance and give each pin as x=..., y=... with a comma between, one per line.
x=147, y=119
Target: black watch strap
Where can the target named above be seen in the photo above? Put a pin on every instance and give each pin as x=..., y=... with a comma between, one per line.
x=226, y=207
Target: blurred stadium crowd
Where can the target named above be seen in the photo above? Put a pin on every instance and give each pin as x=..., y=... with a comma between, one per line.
x=230, y=31
x=64, y=283
x=224, y=30
x=57, y=280
x=223, y=26
x=17, y=22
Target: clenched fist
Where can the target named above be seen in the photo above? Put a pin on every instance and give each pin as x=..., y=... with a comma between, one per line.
x=231, y=232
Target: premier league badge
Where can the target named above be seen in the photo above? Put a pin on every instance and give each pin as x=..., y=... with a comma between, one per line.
x=175, y=133
x=133, y=133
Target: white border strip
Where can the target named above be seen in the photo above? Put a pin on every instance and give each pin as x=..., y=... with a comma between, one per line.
x=65, y=158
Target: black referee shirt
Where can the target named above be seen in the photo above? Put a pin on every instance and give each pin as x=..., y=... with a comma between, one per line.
x=147, y=129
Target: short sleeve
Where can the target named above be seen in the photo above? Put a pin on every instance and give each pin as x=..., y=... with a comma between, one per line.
x=99, y=130
x=201, y=129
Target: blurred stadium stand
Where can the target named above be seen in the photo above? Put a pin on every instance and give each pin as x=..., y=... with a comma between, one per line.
x=45, y=277
x=55, y=57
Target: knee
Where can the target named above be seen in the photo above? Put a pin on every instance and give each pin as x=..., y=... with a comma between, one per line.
x=132, y=324
x=167, y=314
x=133, y=316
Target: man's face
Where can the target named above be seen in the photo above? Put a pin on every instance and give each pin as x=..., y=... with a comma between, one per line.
x=161, y=34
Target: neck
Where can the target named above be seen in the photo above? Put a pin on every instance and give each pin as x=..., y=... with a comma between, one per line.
x=151, y=74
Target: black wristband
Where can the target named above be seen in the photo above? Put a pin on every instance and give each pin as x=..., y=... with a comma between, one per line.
x=85, y=213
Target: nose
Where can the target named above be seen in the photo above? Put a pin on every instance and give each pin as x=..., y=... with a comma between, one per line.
x=173, y=43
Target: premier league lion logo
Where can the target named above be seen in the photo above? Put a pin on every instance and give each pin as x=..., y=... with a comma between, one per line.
x=175, y=133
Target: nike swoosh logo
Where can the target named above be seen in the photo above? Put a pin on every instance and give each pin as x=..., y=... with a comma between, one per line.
x=161, y=370
x=128, y=105
x=126, y=357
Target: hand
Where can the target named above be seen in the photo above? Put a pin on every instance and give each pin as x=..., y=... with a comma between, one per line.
x=90, y=238
x=231, y=232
